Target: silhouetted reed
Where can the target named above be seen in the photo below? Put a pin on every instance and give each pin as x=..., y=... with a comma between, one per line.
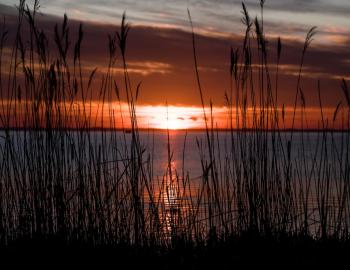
x=61, y=179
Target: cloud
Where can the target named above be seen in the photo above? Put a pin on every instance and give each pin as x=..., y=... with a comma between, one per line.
x=135, y=67
x=335, y=7
x=162, y=59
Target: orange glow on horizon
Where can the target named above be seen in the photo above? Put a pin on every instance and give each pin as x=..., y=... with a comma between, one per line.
x=115, y=115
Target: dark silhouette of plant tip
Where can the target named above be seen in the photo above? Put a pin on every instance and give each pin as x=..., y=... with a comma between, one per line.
x=122, y=35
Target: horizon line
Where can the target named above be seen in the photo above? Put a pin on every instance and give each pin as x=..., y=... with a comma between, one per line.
x=129, y=130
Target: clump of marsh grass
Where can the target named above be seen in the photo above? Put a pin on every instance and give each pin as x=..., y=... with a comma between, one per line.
x=278, y=185
x=62, y=179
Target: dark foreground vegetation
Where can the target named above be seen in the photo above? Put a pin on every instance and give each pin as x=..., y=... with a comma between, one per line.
x=63, y=188
x=237, y=252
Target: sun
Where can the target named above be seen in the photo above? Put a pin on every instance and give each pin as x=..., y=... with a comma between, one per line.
x=171, y=117
x=174, y=123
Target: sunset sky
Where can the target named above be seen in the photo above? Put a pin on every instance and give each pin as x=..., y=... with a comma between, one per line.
x=159, y=51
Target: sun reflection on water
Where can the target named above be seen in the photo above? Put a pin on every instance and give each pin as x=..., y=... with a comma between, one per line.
x=171, y=199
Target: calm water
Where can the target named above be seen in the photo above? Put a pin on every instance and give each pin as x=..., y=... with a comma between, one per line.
x=187, y=149
x=313, y=158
